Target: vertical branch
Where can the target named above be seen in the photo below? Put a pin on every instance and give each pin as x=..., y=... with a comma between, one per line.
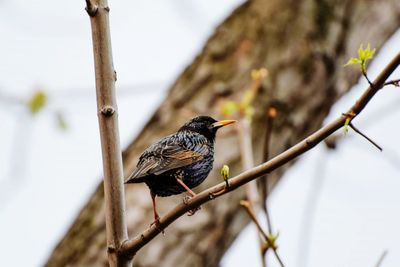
x=263, y=181
x=271, y=243
x=310, y=208
x=264, y=187
x=245, y=140
x=246, y=149
x=381, y=258
x=108, y=123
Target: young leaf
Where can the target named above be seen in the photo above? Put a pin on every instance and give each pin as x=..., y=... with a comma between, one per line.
x=366, y=54
x=272, y=239
x=229, y=108
x=37, y=101
x=353, y=61
x=363, y=56
x=247, y=99
x=346, y=126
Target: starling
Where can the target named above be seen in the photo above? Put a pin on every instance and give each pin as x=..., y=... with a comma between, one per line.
x=180, y=161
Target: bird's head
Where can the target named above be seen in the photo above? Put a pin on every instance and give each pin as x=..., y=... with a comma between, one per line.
x=205, y=125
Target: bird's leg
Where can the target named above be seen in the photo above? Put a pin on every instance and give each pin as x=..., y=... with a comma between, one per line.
x=193, y=194
x=156, y=217
x=186, y=198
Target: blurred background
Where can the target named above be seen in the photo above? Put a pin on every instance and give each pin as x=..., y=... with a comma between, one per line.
x=50, y=161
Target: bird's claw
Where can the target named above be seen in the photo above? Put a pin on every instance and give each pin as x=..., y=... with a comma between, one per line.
x=186, y=199
x=193, y=211
x=157, y=224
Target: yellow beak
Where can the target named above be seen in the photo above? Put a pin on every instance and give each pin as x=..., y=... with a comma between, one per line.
x=222, y=123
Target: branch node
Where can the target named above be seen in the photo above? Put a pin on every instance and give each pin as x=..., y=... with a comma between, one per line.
x=107, y=111
x=107, y=8
x=349, y=115
x=91, y=9
x=309, y=142
x=111, y=249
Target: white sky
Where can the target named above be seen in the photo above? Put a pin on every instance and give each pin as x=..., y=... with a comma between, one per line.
x=46, y=175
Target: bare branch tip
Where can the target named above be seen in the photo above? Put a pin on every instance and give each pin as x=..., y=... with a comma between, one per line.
x=395, y=83
x=365, y=136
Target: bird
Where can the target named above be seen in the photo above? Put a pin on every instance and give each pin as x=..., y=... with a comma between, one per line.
x=179, y=161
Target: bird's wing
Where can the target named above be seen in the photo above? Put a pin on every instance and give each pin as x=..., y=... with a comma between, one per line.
x=167, y=158
x=176, y=157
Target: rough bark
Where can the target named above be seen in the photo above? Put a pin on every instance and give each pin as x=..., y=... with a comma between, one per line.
x=304, y=45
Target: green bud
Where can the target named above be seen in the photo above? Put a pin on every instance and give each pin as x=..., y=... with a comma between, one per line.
x=225, y=172
x=37, y=101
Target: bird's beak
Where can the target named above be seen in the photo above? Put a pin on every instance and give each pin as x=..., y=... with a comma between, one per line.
x=222, y=123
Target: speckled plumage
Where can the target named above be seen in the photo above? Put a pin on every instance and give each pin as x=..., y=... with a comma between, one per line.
x=192, y=174
x=186, y=156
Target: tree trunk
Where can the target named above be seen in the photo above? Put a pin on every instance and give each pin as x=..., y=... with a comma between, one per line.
x=304, y=45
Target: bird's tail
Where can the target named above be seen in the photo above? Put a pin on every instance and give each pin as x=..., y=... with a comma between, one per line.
x=134, y=178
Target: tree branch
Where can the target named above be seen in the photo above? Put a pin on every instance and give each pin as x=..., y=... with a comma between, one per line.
x=381, y=258
x=130, y=247
x=365, y=136
x=393, y=82
x=108, y=123
x=271, y=115
x=246, y=149
x=267, y=238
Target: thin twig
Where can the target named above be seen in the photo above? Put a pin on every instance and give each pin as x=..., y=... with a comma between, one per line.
x=366, y=77
x=271, y=115
x=246, y=153
x=130, y=247
x=308, y=216
x=246, y=149
x=248, y=207
x=363, y=135
x=393, y=82
x=381, y=258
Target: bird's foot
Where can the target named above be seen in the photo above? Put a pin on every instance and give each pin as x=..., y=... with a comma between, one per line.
x=193, y=211
x=186, y=199
x=157, y=224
